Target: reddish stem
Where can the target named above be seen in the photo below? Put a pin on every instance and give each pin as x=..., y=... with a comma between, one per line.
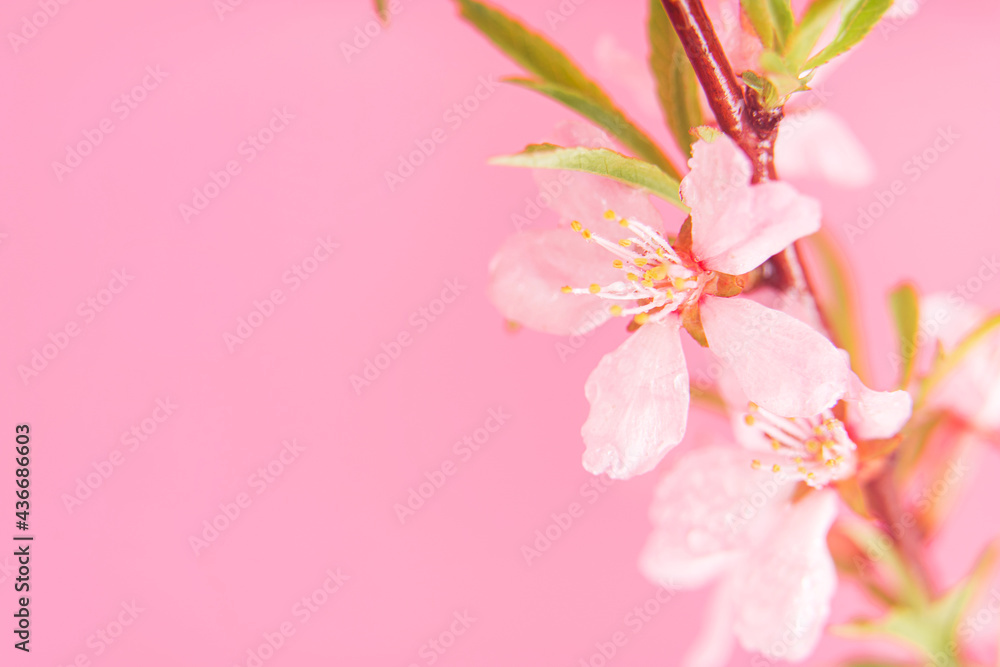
x=742, y=115
x=738, y=110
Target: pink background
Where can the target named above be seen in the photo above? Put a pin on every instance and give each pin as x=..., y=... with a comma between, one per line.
x=162, y=336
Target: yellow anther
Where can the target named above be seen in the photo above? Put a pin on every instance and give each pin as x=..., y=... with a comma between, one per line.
x=631, y=276
x=623, y=222
x=617, y=264
x=647, y=283
x=802, y=470
x=670, y=294
x=831, y=462
x=576, y=225
x=679, y=283
x=609, y=215
x=775, y=445
x=811, y=475
x=567, y=289
x=812, y=446
x=624, y=243
x=641, y=261
x=595, y=288
x=586, y=234
x=658, y=272
x=775, y=468
x=661, y=252
x=798, y=459
x=749, y=420
x=752, y=406
x=755, y=464
x=616, y=310
x=641, y=318
x=818, y=430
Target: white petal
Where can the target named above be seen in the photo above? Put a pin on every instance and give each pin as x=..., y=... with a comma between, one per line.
x=711, y=509
x=784, y=590
x=639, y=396
x=782, y=364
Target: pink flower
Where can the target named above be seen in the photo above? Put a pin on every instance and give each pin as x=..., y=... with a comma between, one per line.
x=556, y=280
x=972, y=390
x=817, y=449
x=716, y=518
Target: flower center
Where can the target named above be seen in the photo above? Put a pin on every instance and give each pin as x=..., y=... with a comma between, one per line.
x=655, y=281
x=816, y=449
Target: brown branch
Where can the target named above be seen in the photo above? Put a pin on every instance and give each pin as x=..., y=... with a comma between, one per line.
x=738, y=110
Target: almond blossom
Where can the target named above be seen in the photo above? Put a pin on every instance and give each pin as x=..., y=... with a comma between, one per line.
x=554, y=280
x=718, y=519
x=972, y=390
x=730, y=514
x=820, y=448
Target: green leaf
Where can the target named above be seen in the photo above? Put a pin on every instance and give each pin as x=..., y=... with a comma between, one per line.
x=857, y=22
x=600, y=161
x=608, y=117
x=760, y=18
x=784, y=19
x=559, y=78
x=529, y=49
x=676, y=83
x=382, y=9
x=905, y=306
x=772, y=20
x=764, y=88
x=929, y=627
x=828, y=272
x=803, y=39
